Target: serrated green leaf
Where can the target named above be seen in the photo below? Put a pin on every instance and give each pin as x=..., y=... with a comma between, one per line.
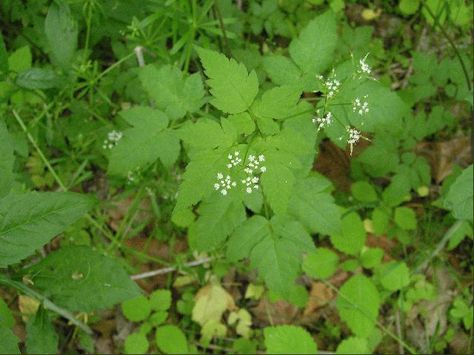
x=277, y=103
x=460, y=196
x=358, y=305
x=136, y=309
x=7, y=160
x=205, y=134
x=232, y=87
x=20, y=59
x=288, y=339
x=371, y=257
x=321, y=264
x=242, y=123
x=41, y=336
x=394, y=275
x=275, y=249
x=397, y=191
x=148, y=139
x=80, y=279
x=171, y=340
x=380, y=220
x=353, y=345
x=218, y=218
x=61, y=33
x=281, y=70
x=313, y=50
x=136, y=343
x=171, y=92
x=314, y=207
x=352, y=236
x=31, y=220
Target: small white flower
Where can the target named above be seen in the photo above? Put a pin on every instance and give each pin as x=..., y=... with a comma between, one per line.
x=263, y=169
x=364, y=68
x=113, y=138
x=224, y=192
x=248, y=190
x=354, y=137
x=251, y=158
x=217, y=186
x=234, y=160
x=323, y=121
x=359, y=106
x=224, y=184
x=261, y=157
x=332, y=86
x=220, y=176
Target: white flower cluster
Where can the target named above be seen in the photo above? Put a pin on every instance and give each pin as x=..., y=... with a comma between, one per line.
x=332, y=85
x=112, y=139
x=253, y=167
x=364, y=67
x=224, y=184
x=323, y=121
x=234, y=160
x=361, y=107
x=354, y=137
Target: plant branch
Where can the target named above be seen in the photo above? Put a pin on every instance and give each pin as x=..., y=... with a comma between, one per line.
x=169, y=269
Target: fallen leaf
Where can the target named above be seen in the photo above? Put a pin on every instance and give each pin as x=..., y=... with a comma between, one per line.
x=211, y=302
x=319, y=296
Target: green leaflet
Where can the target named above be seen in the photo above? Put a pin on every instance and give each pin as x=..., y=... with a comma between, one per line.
x=460, y=195
x=288, y=339
x=7, y=160
x=205, y=134
x=311, y=53
x=61, y=33
x=232, y=87
x=358, y=305
x=148, y=139
x=9, y=343
x=38, y=78
x=31, y=220
x=171, y=340
x=218, y=218
x=314, y=207
x=41, y=336
x=80, y=279
x=3, y=59
x=321, y=264
x=351, y=239
x=275, y=249
x=172, y=93
x=394, y=275
x=353, y=345
x=277, y=103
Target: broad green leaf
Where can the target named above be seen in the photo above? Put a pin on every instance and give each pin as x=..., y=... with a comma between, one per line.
x=313, y=50
x=460, y=196
x=380, y=220
x=394, y=275
x=281, y=70
x=171, y=92
x=30, y=220
x=39, y=78
x=205, y=134
x=171, y=340
x=352, y=236
x=277, y=103
x=218, y=218
x=9, y=343
x=397, y=191
x=41, y=336
x=7, y=160
x=20, y=60
x=136, y=343
x=314, y=207
x=80, y=279
x=363, y=191
x=242, y=123
x=405, y=218
x=371, y=257
x=148, y=139
x=321, y=263
x=353, y=345
x=136, y=309
x=358, y=305
x=288, y=339
x=6, y=316
x=275, y=249
x=160, y=300
x=244, y=346
x=61, y=33
x=232, y=87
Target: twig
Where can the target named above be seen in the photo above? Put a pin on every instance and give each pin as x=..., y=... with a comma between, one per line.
x=169, y=269
x=399, y=332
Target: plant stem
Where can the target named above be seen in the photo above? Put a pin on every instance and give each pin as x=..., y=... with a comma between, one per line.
x=169, y=269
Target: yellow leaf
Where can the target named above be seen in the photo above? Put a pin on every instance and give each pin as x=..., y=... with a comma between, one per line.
x=369, y=14
x=28, y=306
x=254, y=291
x=211, y=302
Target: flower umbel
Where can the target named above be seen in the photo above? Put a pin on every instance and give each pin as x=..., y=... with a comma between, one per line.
x=361, y=106
x=234, y=160
x=112, y=139
x=252, y=169
x=323, y=121
x=223, y=185
x=333, y=86
x=364, y=68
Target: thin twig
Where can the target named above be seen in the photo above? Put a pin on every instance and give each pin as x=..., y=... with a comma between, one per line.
x=169, y=269
x=139, y=54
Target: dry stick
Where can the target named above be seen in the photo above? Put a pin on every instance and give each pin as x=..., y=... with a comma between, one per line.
x=139, y=54
x=169, y=269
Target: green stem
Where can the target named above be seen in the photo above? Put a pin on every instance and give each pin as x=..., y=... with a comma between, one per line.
x=47, y=303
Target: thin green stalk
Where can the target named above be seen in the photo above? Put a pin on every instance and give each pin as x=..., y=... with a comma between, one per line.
x=380, y=325
x=47, y=303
